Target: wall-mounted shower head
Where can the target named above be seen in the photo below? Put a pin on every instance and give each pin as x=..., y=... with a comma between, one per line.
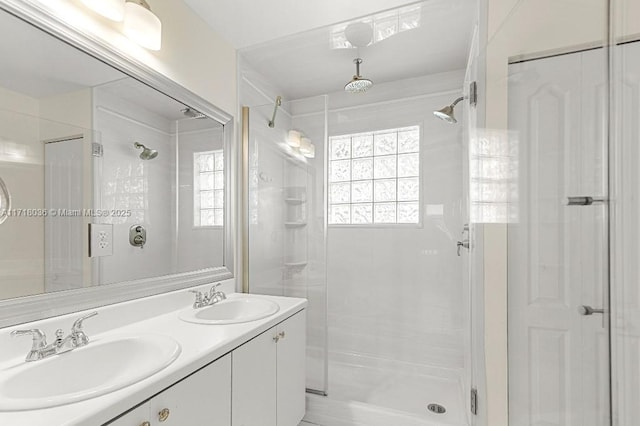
x=146, y=154
x=446, y=113
x=192, y=113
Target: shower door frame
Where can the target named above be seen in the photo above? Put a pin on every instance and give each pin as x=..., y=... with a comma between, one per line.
x=244, y=271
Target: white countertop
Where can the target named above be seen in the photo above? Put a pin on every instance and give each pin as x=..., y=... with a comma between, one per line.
x=201, y=344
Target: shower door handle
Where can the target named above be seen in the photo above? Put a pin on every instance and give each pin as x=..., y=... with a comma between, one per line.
x=588, y=310
x=461, y=244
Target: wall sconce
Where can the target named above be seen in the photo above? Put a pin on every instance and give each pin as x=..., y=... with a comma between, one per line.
x=142, y=25
x=293, y=138
x=307, y=148
x=110, y=9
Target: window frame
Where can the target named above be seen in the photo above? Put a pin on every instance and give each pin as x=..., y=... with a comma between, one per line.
x=373, y=224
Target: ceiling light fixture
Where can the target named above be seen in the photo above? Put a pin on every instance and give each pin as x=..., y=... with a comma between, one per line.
x=141, y=25
x=357, y=83
x=111, y=9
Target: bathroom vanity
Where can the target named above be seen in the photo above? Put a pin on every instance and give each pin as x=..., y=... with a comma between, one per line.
x=244, y=373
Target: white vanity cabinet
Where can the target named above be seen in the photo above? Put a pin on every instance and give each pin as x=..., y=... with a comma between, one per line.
x=268, y=385
x=201, y=399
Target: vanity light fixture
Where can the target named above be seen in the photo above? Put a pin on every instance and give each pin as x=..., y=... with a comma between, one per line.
x=307, y=148
x=293, y=138
x=111, y=9
x=141, y=25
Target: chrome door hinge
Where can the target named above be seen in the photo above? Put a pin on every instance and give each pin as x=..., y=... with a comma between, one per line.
x=473, y=93
x=474, y=401
x=96, y=149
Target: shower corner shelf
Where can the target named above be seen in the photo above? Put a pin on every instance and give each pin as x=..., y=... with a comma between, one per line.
x=296, y=264
x=295, y=201
x=295, y=224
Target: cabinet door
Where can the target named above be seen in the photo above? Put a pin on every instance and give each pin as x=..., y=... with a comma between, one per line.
x=291, y=370
x=202, y=399
x=135, y=417
x=254, y=381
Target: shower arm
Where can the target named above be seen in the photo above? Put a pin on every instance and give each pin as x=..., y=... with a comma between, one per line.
x=278, y=103
x=457, y=101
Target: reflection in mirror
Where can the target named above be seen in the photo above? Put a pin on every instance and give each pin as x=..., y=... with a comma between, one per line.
x=110, y=180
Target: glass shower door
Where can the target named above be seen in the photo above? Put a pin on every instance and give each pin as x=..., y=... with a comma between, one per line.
x=286, y=220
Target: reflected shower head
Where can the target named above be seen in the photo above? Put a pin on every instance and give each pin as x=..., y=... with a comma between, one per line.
x=357, y=83
x=192, y=113
x=446, y=113
x=146, y=154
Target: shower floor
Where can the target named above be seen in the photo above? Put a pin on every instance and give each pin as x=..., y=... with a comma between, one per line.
x=391, y=394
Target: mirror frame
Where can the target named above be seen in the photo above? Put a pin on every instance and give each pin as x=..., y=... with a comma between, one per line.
x=36, y=307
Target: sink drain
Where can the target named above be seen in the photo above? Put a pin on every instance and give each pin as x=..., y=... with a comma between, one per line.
x=436, y=408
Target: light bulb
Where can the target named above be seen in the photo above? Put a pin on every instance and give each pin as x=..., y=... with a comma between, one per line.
x=142, y=25
x=307, y=148
x=293, y=138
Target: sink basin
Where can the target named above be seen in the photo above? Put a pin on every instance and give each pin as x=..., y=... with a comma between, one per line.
x=103, y=366
x=232, y=311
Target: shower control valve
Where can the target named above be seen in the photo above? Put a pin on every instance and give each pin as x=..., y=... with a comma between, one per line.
x=137, y=236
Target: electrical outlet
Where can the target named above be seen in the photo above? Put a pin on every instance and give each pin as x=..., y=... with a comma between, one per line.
x=100, y=240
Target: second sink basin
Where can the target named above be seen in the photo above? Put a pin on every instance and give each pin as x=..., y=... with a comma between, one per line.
x=235, y=309
x=103, y=366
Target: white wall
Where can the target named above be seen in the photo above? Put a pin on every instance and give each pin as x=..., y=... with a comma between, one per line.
x=197, y=248
x=130, y=183
x=22, y=169
x=397, y=292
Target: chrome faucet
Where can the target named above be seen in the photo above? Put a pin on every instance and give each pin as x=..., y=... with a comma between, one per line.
x=41, y=350
x=209, y=298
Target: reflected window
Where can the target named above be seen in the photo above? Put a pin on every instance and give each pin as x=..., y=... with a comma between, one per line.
x=374, y=177
x=208, y=188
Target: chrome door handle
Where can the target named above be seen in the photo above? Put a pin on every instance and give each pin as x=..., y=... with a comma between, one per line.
x=461, y=244
x=588, y=310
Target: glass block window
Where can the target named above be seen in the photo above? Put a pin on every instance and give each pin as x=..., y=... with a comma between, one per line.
x=208, y=188
x=374, y=178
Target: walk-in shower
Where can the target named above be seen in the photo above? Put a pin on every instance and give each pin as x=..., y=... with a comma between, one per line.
x=366, y=230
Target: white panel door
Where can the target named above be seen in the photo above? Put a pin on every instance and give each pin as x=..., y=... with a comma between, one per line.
x=558, y=359
x=291, y=370
x=63, y=231
x=254, y=381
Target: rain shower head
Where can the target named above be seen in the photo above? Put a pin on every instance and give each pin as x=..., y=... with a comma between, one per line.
x=192, y=113
x=446, y=113
x=357, y=83
x=146, y=154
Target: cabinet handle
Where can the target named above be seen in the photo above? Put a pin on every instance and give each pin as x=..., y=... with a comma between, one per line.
x=278, y=336
x=163, y=414
x=145, y=424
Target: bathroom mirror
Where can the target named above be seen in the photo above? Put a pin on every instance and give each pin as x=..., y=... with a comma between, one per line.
x=116, y=175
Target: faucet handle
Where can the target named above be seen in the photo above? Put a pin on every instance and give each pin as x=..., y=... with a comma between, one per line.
x=77, y=324
x=78, y=335
x=218, y=295
x=39, y=338
x=198, y=294
x=198, y=302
